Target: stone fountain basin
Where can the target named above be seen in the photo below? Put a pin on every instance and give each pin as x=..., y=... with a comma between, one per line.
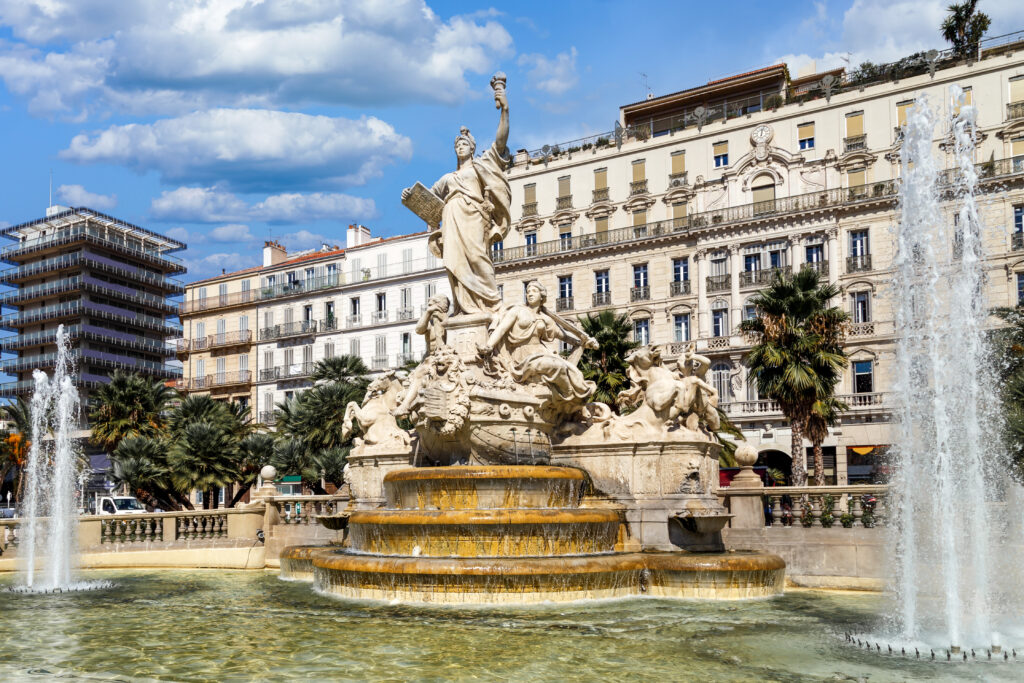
x=338, y=522
x=484, y=533
x=484, y=487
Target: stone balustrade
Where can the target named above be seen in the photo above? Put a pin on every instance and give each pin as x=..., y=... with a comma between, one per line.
x=818, y=506
x=304, y=510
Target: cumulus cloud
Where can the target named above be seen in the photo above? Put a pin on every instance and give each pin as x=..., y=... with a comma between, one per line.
x=182, y=235
x=551, y=75
x=248, y=149
x=883, y=31
x=233, y=232
x=303, y=239
x=213, y=205
x=74, y=57
x=76, y=195
x=214, y=264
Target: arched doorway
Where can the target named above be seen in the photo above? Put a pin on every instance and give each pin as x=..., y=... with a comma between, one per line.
x=775, y=461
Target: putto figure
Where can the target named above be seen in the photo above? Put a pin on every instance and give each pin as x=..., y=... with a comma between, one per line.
x=475, y=213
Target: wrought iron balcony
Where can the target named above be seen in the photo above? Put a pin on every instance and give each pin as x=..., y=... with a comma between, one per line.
x=601, y=195
x=407, y=357
x=1014, y=110
x=602, y=299
x=855, y=143
x=380, y=362
x=640, y=293
x=268, y=417
x=562, y=203
x=858, y=264
x=530, y=209
x=224, y=379
x=563, y=303
x=820, y=267
x=295, y=370
x=719, y=283
x=302, y=328
x=239, y=338
x=380, y=316
x=407, y=313
x=1017, y=241
x=638, y=187
x=677, y=179
x=329, y=325
x=354, y=321
x=679, y=287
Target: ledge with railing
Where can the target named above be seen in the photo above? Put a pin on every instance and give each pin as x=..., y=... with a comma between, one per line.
x=301, y=328
x=858, y=264
x=563, y=203
x=406, y=313
x=637, y=187
x=304, y=510
x=865, y=402
x=805, y=507
x=1014, y=111
x=380, y=363
x=602, y=299
x=761, y=276
x=600, y=195
x=642, y=293
x=267, y=417
x=679, y=287
x=719, y=283
x=93, y=235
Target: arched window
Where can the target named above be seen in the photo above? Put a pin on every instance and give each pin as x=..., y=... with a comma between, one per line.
x=720, y=381
x=763, y=189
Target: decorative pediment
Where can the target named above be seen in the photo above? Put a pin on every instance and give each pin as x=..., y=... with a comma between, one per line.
x=860, y=286
x=601, y=210
x=680, y=309
x=638, y=203
x=862, y=354
x=776, y=177
x=563, y=218
x=678, y=194
x=1011, y=130
x=641, y=314
x=529, y=224
x=772, y=155
x=856, y=160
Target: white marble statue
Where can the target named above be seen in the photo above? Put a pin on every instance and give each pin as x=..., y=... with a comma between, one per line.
x=475, y=214
x=375, y=416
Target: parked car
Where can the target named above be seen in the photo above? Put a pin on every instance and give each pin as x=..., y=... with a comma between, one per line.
x=8, y=513
x=119, y=505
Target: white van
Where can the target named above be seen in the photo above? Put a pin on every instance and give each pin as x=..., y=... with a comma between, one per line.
x=119, y=505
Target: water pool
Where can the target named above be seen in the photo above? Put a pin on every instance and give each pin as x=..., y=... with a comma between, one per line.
x=236, y=625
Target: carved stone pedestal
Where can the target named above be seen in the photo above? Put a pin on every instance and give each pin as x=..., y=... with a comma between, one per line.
x=366, y=470
x=466, y=332
x=667, y=490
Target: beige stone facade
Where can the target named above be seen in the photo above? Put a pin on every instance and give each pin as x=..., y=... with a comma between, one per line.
x=679, y=216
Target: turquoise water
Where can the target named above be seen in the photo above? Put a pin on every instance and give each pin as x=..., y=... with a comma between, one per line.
x=241, y=626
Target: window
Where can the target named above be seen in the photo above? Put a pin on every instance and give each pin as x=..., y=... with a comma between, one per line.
x=200, y=330
x=720, y=322
x=268, y=319
x=639, y=170
x=245, y=290
x=720, y=151
x=202, y=294
x=681, y=327
x=855, y=178
x=859, y=245
x=805, y=135
x=968, y=99
x=222, y=329
x=357, y=270
x=679, y=215
x=862, y=377
x=530, y=193
x=501, y=292
x=642, y=331
x=353, y=306
x=289, y=357
x=764, y=196
x=406, y=343
x=601, y=282
x=310, y=276
x=565, y=238
x=329, y=350
x=563, y=187
x=222, y=366
x=222, y=291
x=601, y=224
x=861, y=307
x=353, y=347
x=497, y=246
x=680, y=269
x=719, y=264
x=382, y=302
x=201, y=368
x=678, y=163
x=1020, y=289
x=292, y=278
x=1018, y=218
x=429, y=290
x=1017, y=89
x=268, y=361
x=749, y=312
x=720, y=381
x=640, y=223
x=855, y=124
x=405, y=295
x=640, y=276
x=815, y=253
x=382, y=264
x=600, y=179
x=289, y=315
x=243, y=323
x=776, y=256
x=307, y=355
x=407, y=260
x=901, y=113
x=531, y=243
x=332, y=273
x=751, y=263
x=565, y=287
x=329, y=313
x=380, y=346
x=307, y=313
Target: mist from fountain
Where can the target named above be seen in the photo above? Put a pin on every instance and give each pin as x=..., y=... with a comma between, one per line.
x=947, y=471
x=52, y=478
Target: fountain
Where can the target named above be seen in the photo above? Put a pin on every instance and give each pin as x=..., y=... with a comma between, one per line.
x=952, y=572
x=522, y=490
x=52, y=491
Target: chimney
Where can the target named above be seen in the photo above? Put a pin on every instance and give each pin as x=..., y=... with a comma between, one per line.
x=357, y=234
x=273, y=253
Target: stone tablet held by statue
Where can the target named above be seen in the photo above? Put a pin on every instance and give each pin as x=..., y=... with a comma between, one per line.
x=425, y=204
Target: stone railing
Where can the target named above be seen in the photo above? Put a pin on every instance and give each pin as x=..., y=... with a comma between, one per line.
x=858, y=264
x=1014, y=110
x=563, y=203
x=853, y=506
x=642, y=293
x=854, y=143
x=304, y=510
x=600, y=195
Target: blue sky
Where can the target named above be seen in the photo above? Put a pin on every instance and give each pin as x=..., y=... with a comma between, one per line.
x=228, y=121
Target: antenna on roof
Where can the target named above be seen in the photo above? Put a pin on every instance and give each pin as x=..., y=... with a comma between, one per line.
x=51, y=190
x=648, y=93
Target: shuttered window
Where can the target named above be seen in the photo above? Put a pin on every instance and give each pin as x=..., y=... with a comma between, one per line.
x=1017, y=89
x=601, y=224
x=601, y=179
x=805, y=130
x=678, y=163
x=1017, y=147
x=855, y=178
x=855, y=124
x=901, y=115
x=968, y=99
x=720, y=148
x=639, y=170
x=530, y=193
x=639, y=218
x=764, y=193
x=679, y=210
x=563, y=186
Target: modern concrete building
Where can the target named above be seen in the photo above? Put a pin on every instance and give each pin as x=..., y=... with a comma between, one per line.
x=688, y=208
x=107, y=282
x=254, y=336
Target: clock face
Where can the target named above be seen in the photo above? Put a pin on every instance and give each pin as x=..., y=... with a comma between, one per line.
x=761, y=134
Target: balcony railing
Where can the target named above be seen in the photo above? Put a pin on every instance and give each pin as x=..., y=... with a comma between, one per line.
x=638, y=187
x=1014, y=110
x=677, y=179
x=530, y=209
x=407, y=313
x=268, y=417
x=298, y=329
x=380, y=316
x=820, y=267
x=761, y=276
x=601, y=195
x=295, y=370
x=642, y=293
x=238, y=338
x=380, y=362
x=407, y=357
x=855, y=143
x=858, y=264
x=602, y=299
x=719, y=283
x=679, y=287
x=862, y=329
x=1017, y=241
x=354, y=321
x=88, y=233
x=224, y=379
x=563, y=303
x=220, y=300
x=562, y=203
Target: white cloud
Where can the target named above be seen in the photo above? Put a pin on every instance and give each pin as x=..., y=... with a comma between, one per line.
x=233, y=232
x=304, y=239
x=212, y=205
x=214, y=264
x=90, y=56
x=249, y=149
x=554, y=76
x=182, y=235
x=882, y=31
x=76, y=195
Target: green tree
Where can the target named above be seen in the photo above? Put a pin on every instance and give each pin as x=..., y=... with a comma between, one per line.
x=15, y=441
x=129, y=405
x=204, y=456
x=255, y=451
x=824, y=414
x=140, y=464
x=1008, y=351
x=797, y=356
x=964, y=27
x=342, y=369
x=606, y=366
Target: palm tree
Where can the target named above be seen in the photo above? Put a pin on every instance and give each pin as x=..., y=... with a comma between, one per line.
x=130, y=405
x=201, y=408
x=343, y=369
x=140, y=464
x=19, y=413
x=204, y=456
x=964, y=27
x=255, y=451
x=797, y=357
x=824, y=414
x=16, y=441
x=606, y=366
x=1008, y=350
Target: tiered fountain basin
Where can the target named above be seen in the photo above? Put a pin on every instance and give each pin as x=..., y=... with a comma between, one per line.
x=510, y=534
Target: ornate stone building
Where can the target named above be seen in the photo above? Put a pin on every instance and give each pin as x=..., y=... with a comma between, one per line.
x=684, y=211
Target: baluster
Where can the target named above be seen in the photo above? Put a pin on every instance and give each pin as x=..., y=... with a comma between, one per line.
x=148, y=530
x=858, y=510
x=181, y=530
x=104, y=532
x=222, y=526
x=158, y=528
x=881, y=510
x=816, y=503
x=204, y=527
x=776, y=510
x=118, y=530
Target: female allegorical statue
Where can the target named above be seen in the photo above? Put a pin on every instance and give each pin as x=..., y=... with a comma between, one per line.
x=476, y=200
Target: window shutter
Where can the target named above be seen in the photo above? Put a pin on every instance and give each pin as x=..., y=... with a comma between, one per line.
x=529, y=194
x=855, y=178
x=804, y=131
x=563, y=186
x=639, y=172
x=601, y=224
x=720, y=148
x=639, y=218
x=1017, y=89
x=679, y=210
x=968, y=99
x=901, y=114
x=601, y=179
x=764, y=193
x=855, y=124
x=678, y=163
x=1017, y=147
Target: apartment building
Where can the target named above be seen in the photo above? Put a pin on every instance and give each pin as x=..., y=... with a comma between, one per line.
x=689, y=207
x=108, y=283
x=254, y=336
